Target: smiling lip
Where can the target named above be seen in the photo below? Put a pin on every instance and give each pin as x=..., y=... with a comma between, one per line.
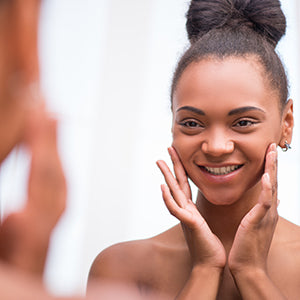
x=222, y=170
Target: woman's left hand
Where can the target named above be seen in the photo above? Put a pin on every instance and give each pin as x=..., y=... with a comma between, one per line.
x=253, y=238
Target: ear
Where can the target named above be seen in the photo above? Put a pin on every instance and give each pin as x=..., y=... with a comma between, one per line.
x=287, y=124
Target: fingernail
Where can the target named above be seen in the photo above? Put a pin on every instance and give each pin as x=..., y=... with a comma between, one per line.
x=273, y=147
x=266, y=178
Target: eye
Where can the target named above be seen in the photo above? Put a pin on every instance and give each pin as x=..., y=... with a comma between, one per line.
x=190, y=124
x=245, y=123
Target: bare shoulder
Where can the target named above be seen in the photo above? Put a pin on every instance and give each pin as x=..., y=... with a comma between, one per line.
x=290, y=244
x=110, y=262
x=288, y=234
x=130, y=270
x=285, y=258
x=287, y=243
x=123, y=260
x=137, y=261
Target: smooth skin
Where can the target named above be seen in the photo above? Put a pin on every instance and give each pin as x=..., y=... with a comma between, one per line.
x=230, y=244
x=243, y=257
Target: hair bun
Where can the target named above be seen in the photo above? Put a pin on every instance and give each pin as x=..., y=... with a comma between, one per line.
x=263, y=16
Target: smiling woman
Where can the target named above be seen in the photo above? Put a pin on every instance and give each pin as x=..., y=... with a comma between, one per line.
x=94, y=72
x=236, y=123
x=230, y=111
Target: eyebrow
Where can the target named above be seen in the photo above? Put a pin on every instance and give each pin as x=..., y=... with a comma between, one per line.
x=232, y=112
x=244, y=109
x=192, y=109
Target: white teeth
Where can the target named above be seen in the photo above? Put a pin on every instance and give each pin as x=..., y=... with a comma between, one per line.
x=222, y=170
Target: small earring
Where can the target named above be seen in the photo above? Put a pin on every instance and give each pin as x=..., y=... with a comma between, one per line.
x=286, y=147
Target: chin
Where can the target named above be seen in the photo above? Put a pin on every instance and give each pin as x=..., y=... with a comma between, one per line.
x=221, y=198
x=222, y=202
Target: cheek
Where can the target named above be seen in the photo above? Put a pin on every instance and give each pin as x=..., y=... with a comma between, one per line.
x=255, y=153
x=184, y=145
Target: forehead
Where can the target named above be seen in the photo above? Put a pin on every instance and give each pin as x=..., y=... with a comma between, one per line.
x=224, y=83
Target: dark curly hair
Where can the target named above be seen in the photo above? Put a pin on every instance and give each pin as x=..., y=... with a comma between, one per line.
x=224, y=28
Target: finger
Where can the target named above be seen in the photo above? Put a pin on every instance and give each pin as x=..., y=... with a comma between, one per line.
x=186, y=216
x=180, y=173
x=259, y=211
x=35, y=125
x=46, y=186
x=170, y=203
x=271, y=169
x=271, y=162
x=44, y=148
x=172, y=183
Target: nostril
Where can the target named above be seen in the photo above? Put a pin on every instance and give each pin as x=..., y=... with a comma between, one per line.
x=230, y=146
x=217, y=148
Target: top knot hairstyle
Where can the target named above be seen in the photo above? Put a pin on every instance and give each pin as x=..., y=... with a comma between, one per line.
x=223, y=28
x=263, y=16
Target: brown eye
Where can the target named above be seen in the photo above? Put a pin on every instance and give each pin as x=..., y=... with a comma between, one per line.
x=244, y=123
x=190, y=124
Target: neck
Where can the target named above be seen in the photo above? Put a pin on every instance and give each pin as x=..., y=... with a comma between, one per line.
x=224, y=220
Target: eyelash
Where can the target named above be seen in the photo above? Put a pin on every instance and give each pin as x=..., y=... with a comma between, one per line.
x=192, y=124
x=187, y=124
x=249, y=123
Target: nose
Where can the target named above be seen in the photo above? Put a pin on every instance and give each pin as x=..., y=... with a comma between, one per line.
x=217, y=143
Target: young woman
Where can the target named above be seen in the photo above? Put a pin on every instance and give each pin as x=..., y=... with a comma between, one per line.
x=230, y=113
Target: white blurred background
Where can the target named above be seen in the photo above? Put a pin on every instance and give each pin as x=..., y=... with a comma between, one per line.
x=106, y=71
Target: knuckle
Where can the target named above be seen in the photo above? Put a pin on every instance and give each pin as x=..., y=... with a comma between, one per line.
x=267, y=204
x=274, y=190
x=177, y=187
x=172, y=211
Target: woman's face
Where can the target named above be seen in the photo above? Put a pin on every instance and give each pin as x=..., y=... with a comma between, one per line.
x=225, y=116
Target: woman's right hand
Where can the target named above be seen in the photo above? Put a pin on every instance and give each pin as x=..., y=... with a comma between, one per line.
x=205, y=248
